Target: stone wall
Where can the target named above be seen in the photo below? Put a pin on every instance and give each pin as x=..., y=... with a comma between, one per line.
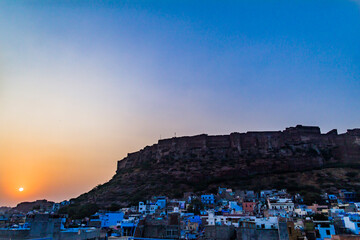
x=16, y=235
x=256, y=234
x=219, y=232
x=295, y=148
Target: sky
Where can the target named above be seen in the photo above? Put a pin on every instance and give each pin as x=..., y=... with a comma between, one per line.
x=83, y=83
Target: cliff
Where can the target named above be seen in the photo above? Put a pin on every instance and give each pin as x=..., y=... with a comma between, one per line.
x=197, y=163
x=296, y=148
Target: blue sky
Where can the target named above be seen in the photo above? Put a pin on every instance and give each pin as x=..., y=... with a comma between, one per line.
x=95, y=80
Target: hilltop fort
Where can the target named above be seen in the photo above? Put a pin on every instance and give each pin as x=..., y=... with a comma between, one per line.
x=295, y=148
x=295, y=158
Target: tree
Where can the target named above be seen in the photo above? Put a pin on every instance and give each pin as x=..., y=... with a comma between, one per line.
x=76, y=211
x=114, y=207
x=195, y=206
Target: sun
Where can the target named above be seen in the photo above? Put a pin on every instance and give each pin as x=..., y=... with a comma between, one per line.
x=21, y=189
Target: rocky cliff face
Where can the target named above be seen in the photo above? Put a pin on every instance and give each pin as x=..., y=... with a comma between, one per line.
x=173, y=166
x=296, y=148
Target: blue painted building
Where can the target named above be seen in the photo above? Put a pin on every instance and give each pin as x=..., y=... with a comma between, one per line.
x=208, y=199
x=108, y=219
x=325, y=230
x=161, y=202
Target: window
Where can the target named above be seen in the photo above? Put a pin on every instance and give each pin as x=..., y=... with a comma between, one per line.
x=327, y=232
x=171, y=232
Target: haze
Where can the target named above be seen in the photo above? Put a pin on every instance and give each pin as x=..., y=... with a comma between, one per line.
x=82, y=84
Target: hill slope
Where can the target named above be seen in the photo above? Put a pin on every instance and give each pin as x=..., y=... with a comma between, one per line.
x=299, y=158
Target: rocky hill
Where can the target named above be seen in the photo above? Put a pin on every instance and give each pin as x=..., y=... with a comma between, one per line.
x=25, y=207
x=240, y=160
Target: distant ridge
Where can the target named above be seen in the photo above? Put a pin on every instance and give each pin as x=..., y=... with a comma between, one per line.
x=26, y=207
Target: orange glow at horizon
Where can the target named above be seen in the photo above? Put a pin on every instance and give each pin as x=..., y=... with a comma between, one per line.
x=36, y=168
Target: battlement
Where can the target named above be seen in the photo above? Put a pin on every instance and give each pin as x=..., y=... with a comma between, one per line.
x=300, y=129
x=297, y=147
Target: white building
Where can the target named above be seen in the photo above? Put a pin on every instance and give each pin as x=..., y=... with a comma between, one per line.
x=267, y=223
x=352, y=225
x=281, y=204
x=147, y=208
x=259, y=223
x=228, y=220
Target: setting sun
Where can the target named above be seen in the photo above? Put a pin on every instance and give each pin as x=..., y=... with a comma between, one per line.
x=21, y=189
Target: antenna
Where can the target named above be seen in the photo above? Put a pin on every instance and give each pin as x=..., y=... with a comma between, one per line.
x=175, y=134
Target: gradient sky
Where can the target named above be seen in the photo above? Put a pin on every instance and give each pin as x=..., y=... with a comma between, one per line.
x=82, y=83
